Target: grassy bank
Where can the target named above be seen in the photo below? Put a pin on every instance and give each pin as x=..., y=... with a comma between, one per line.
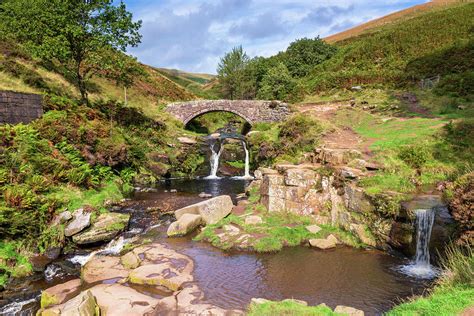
x=454, y=291
x=289, y=308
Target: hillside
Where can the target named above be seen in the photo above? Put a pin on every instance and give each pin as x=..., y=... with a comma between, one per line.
x=19, y=72
x=388, y=19
x=196, y=83
x=438, y=42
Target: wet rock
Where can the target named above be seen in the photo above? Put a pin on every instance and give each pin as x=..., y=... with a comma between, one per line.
x=322, y=243
x=60, y=293
x=187, y=140
x=401, y=237
x=39, y=261
x=212, y=210
x=80, y=221
x=102, y=268
x=350, y=311
x=106, y=227
x=313, y=229
x=84, y=304
x=165, y=274
x=253, y=220
x=130, y=260
x=184, y=225
x=205, y=195
x=119, y=300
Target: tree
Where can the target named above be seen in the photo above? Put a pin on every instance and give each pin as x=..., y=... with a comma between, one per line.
x=277, y=84
x=79, y=35
x=230, y=71
x=304, y=54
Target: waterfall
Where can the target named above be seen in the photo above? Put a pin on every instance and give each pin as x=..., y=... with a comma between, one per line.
x=421, y=267
x=214, y=161
x=247, y=162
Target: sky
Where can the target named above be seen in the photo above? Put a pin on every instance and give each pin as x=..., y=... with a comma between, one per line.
x=192, y=35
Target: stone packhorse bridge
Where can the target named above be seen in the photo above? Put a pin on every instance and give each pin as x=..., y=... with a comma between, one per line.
x=252, y=111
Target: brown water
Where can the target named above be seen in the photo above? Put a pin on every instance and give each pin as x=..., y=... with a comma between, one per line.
x=365, y=279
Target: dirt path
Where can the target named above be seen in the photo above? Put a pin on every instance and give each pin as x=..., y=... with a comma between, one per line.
x=341, y=137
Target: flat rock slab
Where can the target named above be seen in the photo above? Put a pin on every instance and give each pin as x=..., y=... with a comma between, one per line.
x=212, y=210
x=83, y=304
x=162, y=274
x=60, y=293
x=253, y=220
x=102, y=268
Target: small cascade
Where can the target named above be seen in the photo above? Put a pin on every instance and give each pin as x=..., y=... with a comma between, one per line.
x=421, y=267
x=214, y=161
x=246, y=175
x=114, y=247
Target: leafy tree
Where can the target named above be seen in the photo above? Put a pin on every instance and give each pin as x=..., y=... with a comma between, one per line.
x=277, y=84
x=79, y=35
x=304, y=54
x=230, y=71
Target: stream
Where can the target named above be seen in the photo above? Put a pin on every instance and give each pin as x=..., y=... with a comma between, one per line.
x=365, y=279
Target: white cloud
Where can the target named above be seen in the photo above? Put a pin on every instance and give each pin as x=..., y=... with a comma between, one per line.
x=193, y=34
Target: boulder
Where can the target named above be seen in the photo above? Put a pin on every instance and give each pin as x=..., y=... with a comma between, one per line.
x=80, y=221
x=322, y=243
x=253, y=220
x=39, y=261
x=60, y=293
x=187, y=140
x=212, y=210
x=184, y=225
x=106, y=227
x=333, y=238
x=365, y=236
x=273, y=204
x=313, y=229
x=205, y=195
x=350, y=311
x=231, y=230
x=337, y=156
x=258, y=174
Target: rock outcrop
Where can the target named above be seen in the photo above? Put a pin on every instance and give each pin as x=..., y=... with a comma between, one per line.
x=184, y=225
x=105, y=228
x=80, y=220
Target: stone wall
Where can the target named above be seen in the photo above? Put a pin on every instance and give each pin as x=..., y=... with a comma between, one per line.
x=327, y=189
x=250, y=110
x=19, y=107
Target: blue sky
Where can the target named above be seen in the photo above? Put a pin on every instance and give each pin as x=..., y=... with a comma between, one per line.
x=192, y=35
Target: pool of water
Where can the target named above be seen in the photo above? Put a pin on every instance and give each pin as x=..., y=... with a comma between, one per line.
x=365, y=279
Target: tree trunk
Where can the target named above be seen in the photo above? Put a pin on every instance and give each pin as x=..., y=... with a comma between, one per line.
x=81, y=84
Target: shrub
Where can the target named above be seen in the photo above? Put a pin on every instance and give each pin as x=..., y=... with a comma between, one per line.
x=461, y=205
x=416, y=156
x=300, y=132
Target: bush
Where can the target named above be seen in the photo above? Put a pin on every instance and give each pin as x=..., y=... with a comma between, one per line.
x=300, y=133
x=416, y=156
x=461, y=205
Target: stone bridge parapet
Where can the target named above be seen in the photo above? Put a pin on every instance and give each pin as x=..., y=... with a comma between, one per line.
x=250, y=110
x=16, y=107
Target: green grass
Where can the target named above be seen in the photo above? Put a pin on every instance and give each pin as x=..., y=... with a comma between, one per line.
x=454, y=291
x=443, y=301
x=75, y=198
x=12, y=262
x=288, y=307
x=278, y=230
x=236, y=164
